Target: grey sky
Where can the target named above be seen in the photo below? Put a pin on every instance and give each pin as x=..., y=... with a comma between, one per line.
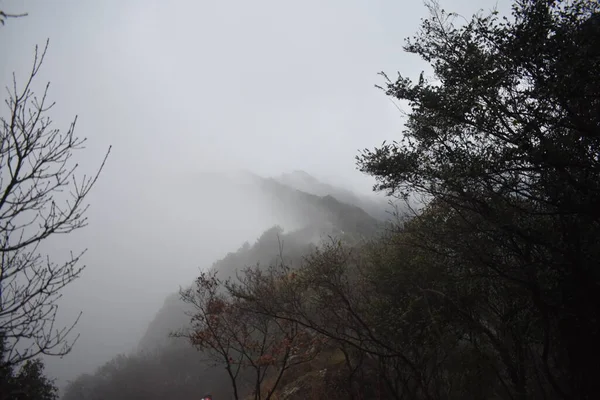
x=178, y=87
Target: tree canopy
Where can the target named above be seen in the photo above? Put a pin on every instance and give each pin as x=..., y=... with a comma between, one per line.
x=505, y=138
x=27, y=382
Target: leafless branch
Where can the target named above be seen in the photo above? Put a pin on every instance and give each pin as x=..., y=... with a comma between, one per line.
x=40, y=196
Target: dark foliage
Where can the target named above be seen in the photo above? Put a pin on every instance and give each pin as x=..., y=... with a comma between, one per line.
x=26, y=382
x=505, y=141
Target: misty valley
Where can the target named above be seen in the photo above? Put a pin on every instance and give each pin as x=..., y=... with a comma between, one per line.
x=271, y=237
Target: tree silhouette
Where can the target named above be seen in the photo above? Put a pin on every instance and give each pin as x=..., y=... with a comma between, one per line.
x=504, y=138
x=40, y=197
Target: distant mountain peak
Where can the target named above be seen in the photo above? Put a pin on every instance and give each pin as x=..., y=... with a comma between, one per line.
x=303, y=181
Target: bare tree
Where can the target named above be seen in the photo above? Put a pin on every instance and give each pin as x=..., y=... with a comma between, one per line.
x=40, y=197
x=254, y=348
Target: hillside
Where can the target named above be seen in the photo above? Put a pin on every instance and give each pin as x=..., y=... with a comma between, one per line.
x=308, y=218
x=377, y=207
x=316, y=217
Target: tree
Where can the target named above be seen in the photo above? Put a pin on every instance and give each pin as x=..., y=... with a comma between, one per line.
x=28, y=383
x=368, y=301
x=40, y=197
x=252, y=346
x=505, y=138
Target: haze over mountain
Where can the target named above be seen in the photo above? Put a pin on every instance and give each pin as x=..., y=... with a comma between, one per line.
x=231, y=199
x=377, y=206
x=306, y=219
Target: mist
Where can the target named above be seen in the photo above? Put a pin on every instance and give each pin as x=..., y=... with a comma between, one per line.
x=190, y=94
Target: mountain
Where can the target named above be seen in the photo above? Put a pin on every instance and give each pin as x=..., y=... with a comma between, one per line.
x=296, y=211
x=308, y=217
x=375, y=206
x=321, y=210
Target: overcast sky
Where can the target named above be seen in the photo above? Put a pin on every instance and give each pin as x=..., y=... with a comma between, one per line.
x=179, y=87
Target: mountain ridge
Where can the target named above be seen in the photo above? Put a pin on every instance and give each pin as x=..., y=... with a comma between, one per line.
x=322, y=216
x=293, y=222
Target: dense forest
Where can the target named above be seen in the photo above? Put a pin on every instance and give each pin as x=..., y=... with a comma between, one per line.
x=483, y=284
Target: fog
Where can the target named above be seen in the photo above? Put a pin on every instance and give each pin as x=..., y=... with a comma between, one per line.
x=185, y=88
